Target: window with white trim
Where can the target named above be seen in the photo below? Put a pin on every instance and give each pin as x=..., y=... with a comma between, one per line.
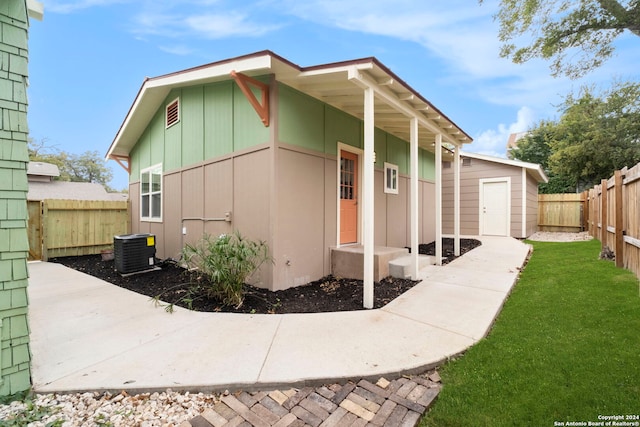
x=390, y=178
x=151, y=193
x=173, y=113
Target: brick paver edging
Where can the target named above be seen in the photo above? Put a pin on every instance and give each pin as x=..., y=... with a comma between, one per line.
x=399, y=402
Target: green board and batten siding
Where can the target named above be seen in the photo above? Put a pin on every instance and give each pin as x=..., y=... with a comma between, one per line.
x=217, y=120
x=311, y=124
x=14, y=243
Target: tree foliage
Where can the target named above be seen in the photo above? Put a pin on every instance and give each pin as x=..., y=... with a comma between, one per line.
x=576, y=35
x=598, y=134
x=595, y=135
x=535, y=147
x=85, y=167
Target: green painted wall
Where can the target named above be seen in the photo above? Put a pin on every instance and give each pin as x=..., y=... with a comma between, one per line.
x=14, y=245
x=306, y=122
x=215, y=119
x=218, y=119
x=301, y=119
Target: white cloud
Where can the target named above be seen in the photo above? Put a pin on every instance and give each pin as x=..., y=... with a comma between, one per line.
x=204, y=20
x=228, y=24
x=493, y=142
x=181, y=50
x=74, y=6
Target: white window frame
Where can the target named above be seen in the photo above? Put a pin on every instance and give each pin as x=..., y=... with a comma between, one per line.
x=166, y=113
x=150, y=193
x=391, y=185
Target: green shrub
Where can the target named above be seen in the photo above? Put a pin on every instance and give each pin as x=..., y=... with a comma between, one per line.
x=228, y=261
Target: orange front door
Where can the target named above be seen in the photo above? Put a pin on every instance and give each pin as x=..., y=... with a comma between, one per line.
x=348, y=197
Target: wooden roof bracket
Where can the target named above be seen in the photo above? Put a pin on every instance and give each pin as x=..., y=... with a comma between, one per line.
x=124, y=161
x=246, y=83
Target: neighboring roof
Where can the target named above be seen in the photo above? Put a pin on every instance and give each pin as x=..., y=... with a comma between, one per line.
x=118, y=197
x=532, y=169
x=69, y=190
x=338, y=84
x=42, y=169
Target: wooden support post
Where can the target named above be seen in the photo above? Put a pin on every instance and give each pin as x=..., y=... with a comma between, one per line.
x=456, y=201
x=438, y=199
x=368, y=202
x=603, y=214
x=414, y=197
x=618, y=222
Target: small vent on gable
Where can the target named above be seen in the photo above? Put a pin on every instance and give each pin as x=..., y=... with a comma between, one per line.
x=466, y=161
x=173, y=113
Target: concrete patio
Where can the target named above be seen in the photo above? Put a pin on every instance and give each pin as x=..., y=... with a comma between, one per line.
x=88, y=335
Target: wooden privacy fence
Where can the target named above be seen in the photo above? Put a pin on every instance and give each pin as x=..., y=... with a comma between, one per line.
x=614, y=216
x=561, y=212
x=74, y=227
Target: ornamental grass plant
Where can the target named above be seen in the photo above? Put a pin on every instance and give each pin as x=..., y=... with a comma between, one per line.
x=565, y=349
x=228, y=261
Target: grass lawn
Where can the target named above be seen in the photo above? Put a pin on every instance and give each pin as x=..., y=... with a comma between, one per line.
x=566, y=348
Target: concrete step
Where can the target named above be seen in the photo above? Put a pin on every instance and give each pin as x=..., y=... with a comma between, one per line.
x=400, y=267
x=348, y=261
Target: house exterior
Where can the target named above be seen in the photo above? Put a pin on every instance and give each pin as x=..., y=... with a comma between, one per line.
x=15, y=371
x=498, y=196
x=306, y=159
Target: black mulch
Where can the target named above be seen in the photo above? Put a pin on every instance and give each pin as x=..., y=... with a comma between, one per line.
x=173, y=284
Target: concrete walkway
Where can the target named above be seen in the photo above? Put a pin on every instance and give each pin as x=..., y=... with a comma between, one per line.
x=87, y=335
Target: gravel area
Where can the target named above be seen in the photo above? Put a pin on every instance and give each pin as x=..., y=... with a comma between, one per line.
x=102, y=409
x=547, y=236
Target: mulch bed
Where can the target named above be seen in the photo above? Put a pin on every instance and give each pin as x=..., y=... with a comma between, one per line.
x=175, y=285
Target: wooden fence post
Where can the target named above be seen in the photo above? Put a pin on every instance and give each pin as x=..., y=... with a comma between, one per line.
x=603, y=214
x=619, y=222
x=45, y=229
x=585, y=210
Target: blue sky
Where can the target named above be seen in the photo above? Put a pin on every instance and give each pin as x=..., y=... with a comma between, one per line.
x=88, y=58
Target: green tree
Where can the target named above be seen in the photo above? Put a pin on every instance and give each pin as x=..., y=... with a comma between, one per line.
x=576, y=35
x=535, y=147
x=597, y=135
x=86, y=167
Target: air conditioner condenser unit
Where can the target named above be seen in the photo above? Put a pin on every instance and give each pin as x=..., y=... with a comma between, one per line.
x=134, y=252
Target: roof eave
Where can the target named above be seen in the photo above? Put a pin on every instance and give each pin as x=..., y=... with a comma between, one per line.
x=154, y=90
x=534, y=168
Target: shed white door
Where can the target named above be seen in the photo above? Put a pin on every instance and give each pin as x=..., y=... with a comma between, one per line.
x=495, y=202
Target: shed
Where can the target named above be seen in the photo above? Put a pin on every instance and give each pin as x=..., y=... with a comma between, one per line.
x=498, y=197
